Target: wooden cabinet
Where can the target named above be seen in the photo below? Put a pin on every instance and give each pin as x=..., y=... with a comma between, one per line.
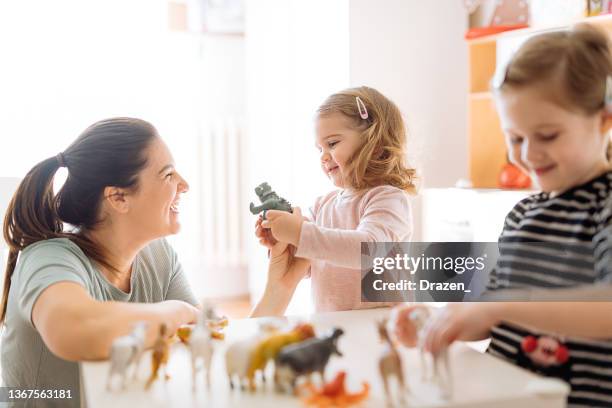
x=487, y=148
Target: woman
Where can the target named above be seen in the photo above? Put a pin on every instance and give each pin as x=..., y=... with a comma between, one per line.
x=69, y=293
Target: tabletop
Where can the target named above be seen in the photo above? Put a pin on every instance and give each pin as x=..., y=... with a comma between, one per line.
x=479, y=380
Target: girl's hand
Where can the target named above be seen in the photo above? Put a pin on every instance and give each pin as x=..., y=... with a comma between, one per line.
x=403, y=328
x=284, y=226
x=459, y=321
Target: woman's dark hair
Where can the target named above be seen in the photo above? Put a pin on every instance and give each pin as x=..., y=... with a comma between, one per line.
x=111, y=152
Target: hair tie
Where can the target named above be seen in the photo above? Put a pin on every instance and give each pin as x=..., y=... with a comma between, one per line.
x=363, y=112
x=61, y=160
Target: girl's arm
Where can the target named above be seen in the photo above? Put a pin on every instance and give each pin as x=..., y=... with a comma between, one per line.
x=76, y=327
x=579, y=319
x=468, y=322
x=386, y=218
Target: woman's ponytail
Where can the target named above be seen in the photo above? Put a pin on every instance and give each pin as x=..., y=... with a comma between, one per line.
x=31, y=216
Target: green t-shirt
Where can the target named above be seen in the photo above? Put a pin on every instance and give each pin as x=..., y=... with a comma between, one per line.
x=27, y=363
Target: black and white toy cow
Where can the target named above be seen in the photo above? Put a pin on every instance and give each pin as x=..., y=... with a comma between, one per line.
x=304, y=358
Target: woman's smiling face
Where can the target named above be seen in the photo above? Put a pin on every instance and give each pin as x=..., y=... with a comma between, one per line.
x=154, y=207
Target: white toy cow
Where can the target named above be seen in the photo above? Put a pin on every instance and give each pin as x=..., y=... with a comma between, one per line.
x=125, y=351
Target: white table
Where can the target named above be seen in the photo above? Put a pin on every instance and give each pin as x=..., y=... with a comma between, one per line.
x=480, y=380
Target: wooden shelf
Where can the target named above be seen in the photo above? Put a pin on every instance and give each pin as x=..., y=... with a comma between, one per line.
x=481, y=95
x=602, y=20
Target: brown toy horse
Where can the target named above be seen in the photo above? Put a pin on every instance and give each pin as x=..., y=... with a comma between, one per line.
x=390, y=364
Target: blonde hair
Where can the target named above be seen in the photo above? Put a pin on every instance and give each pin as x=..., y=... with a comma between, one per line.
x=579, y=60
x=381, y=158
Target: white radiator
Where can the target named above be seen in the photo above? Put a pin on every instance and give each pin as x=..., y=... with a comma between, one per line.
x=223, y=208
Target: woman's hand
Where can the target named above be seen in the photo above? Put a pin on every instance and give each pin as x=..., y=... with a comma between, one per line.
x=284, y=226
x=284, y=273
x=459, y=321
x=264, y=234
x=177, y=313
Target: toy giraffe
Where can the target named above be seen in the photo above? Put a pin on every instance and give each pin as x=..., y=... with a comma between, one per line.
x=159, y=357
x=390, y=364
x=441, y=373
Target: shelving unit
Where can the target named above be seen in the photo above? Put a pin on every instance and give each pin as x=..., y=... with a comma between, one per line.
x=486, y=142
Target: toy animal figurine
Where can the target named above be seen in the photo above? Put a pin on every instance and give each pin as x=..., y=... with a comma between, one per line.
x=160, y=355
x=201, y=347
x=441, y=373
x=304, y=358
x=390, y=364
x=238, y=359
x=269, y=201
x=334, y=393
x=269, y=347
x=125, y=351
x=215, y=323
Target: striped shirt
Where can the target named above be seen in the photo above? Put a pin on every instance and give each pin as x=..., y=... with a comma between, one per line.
x=578, y=225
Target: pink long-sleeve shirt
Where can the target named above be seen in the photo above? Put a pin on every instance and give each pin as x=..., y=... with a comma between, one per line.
x=340, y=222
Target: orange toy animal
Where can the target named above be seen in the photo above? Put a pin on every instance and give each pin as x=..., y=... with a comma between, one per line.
x=334, y=394
x=160, y=355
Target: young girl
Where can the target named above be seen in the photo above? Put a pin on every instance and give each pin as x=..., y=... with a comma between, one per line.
x=554, y=104
x=362, y=139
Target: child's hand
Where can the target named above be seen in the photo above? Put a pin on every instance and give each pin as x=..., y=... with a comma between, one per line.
x=460, y=321
x=285, y=227
x=403, y=328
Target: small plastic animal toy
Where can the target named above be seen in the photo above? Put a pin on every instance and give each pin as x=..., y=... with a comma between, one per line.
x=160, y=355
x=334, y=394
x=269, y=347
x=215, y=323
x=441, y=373
x=125, y=351
x=304, y=358
x=238, y=359
x=390, y=365
x=201, y=347
x=269, y=201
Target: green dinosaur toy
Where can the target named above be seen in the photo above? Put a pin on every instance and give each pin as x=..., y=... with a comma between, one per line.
x=269, y=200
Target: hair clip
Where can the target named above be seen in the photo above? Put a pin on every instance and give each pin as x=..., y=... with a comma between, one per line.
x=363, y=112
x=499, y=77
x=608, y=97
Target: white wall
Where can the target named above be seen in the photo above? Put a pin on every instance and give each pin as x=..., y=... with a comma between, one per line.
x=414, y=53
x=68, y=63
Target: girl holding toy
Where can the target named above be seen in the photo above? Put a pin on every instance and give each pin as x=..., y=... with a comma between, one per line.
x=554, y=100
x=362, y=139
